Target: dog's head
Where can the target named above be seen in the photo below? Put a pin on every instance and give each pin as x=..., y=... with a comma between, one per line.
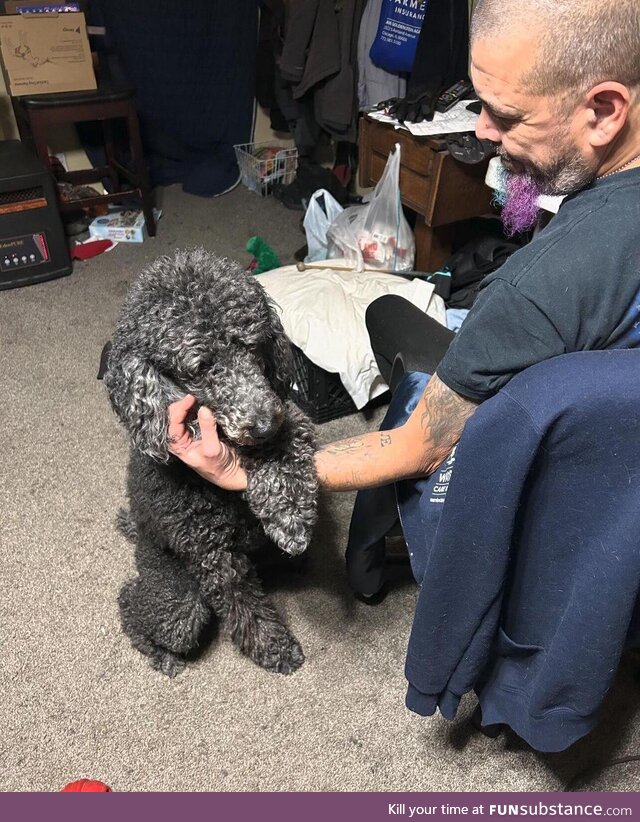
x=194, y=323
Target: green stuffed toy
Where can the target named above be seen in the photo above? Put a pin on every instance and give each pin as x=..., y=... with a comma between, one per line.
x=264, y=257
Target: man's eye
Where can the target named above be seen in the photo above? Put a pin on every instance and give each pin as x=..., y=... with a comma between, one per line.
x=504, y=123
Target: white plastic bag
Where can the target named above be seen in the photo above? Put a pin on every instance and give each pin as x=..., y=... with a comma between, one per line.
x=322, y=210
x=376, y=234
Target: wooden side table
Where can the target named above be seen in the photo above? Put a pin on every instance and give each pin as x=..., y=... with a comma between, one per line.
x=441, y=190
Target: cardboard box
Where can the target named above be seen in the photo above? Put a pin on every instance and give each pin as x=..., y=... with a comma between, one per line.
x=121, y=226
x=17, y=6
x=46, y=53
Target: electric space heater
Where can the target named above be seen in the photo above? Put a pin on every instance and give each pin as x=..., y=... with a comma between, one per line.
x=33, y=246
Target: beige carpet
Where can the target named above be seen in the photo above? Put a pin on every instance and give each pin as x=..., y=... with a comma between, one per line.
x=78, y=701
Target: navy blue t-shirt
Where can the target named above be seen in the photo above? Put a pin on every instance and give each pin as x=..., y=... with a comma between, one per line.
x=574, y=287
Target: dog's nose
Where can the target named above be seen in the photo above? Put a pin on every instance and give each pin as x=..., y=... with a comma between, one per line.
x=267, y=427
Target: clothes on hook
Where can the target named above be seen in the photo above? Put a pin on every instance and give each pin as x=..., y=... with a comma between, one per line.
x=319, y=61
x=442, y=54
x=316, y=71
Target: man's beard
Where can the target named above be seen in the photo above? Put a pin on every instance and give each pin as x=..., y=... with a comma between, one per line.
x=522, y=183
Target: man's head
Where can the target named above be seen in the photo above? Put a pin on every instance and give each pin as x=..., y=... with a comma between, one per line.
x=560, y=86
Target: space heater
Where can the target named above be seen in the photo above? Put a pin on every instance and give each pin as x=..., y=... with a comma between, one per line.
x=33, y=246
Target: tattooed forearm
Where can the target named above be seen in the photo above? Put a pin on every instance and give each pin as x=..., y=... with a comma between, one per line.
x=352, y=463
x=414, y=449
x=443, y=414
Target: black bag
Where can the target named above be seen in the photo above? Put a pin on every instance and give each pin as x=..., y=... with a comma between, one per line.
x=471, y=264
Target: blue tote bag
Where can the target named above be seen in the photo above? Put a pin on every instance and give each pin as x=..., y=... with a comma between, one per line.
x=394, y=47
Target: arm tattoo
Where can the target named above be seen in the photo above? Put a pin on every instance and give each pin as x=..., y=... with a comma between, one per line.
x=444, y=414
x=355, y=444
x=352, y=444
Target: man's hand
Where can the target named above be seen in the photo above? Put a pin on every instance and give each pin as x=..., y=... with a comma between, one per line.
x=215, y=461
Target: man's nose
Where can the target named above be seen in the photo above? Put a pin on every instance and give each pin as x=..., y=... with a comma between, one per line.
x=486, y=129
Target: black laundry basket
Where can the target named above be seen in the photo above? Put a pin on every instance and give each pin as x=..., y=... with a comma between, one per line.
x=317, y=392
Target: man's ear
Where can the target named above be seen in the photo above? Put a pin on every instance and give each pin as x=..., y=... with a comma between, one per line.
x=608, y=109
x=140, y=399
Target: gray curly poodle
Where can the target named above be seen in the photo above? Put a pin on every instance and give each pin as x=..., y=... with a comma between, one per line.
x=196, y=323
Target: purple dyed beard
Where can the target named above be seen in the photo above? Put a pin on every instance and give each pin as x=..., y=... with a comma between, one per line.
x=519, y=199
x=519, y=191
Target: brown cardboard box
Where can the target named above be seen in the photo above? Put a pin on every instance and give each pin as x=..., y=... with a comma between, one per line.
x=12, y=6
x=45, y=53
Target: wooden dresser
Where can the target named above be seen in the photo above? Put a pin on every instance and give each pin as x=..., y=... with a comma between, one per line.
x=438, y=188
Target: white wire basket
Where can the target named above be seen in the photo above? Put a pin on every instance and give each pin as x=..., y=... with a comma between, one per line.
x=263, y=164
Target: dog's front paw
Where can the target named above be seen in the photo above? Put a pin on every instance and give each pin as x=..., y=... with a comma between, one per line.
x=276, y=649
x=291, y=540
x=285, y=504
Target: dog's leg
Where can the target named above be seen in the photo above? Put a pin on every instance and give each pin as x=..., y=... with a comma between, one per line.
x=126, y=524
x=235, y=593
x=282, y=490
x=162, y=609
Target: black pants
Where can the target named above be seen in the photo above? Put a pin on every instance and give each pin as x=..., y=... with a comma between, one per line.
x=404, y=338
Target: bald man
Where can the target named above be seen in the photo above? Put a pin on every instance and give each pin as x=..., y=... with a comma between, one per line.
x=559, y=82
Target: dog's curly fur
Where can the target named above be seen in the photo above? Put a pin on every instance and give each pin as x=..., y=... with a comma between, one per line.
x=196, y=323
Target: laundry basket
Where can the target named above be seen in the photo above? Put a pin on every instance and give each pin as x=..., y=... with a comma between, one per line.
x=263, y=164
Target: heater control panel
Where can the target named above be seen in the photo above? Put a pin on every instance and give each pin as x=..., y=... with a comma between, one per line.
x=24, y=251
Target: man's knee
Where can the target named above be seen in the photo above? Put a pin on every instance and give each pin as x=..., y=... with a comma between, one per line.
x=382, y=309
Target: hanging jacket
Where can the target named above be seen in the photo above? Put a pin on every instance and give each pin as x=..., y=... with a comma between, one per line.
x=442, y=53
x=310, y=52
x=336, y=100
x=319, y=60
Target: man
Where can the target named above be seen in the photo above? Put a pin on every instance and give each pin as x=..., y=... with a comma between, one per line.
x=559, y=82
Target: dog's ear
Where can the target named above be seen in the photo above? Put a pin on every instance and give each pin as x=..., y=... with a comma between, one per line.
x=139, y=398
x=278, y=355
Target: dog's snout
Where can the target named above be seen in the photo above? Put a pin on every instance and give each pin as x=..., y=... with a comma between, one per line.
x=266, y=427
